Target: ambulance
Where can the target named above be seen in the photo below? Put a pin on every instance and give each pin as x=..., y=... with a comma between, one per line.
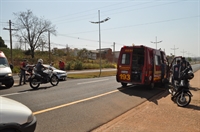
x=142, y=65
x=6, y=77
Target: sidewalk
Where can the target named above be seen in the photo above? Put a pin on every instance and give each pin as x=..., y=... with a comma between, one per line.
x=162, y=116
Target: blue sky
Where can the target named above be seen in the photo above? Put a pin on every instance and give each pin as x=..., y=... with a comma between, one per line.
x=174, y=22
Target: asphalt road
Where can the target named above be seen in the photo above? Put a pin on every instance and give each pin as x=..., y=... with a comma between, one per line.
x=79, y=105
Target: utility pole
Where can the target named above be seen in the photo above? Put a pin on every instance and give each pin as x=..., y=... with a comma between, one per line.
x=156, y=42
x=183, y=52
x=113, y=51
x=10, y=30
x=49, y=47
x=188, y=54
x=174, y=49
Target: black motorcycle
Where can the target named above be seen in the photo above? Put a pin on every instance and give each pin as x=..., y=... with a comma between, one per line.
x=37, y=79
x=181, y=94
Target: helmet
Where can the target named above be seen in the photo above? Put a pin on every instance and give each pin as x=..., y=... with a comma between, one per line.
x=190, y=75
x=40, y=61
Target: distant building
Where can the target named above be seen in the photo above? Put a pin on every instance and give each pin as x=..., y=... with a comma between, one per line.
x=106, y=53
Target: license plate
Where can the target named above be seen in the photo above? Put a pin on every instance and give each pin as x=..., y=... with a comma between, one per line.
x=125, y=72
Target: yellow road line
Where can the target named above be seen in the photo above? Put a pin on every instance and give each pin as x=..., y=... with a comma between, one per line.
x=75, y=102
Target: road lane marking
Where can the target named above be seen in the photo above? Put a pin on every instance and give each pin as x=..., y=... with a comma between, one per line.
x=72, y=103
x=4, y=95
x=92, y=81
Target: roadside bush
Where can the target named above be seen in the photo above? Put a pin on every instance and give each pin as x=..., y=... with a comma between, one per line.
x=16, y=69
x=68, y=66
x=90, y=66
x=108, y=65
x=78, y=65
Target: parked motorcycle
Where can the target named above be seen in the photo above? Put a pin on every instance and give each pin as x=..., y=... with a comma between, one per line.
x=37, y=79
x=181, y=94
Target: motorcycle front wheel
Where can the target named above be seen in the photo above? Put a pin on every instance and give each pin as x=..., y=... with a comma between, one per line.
x=54, y=80
x=34, y=83
x=183, y=99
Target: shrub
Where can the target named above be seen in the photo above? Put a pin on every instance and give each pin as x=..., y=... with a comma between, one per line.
x=78, y=65
x=68, y=66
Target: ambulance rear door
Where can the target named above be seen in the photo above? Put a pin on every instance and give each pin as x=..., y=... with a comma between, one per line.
x=124, y=65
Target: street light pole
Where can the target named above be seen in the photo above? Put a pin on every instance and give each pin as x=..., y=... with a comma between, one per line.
x=156, y=42
x=174, y=49
x=183, y=52
x=99, y=22
x=99, y=42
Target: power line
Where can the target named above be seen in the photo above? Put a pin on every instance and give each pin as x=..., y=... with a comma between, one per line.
x=92, y=9
x=141, y=24
x=115, y=13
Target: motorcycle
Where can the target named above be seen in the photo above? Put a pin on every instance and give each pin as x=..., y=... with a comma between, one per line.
x=180, y=93
x=28, y=72
x=37, y=79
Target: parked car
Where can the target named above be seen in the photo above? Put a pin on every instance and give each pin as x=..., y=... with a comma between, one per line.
x=15, y=117
x=62, y=75
x=6, y=77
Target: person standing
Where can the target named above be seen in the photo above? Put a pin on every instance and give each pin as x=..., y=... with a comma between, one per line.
x=23, y=72
x=184, y=64
x=175, y=72
x=61, y=65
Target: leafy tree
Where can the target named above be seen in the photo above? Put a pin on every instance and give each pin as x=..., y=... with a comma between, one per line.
x=32, y=29
x=189, y=59
x=2, y=44
x=82, y=54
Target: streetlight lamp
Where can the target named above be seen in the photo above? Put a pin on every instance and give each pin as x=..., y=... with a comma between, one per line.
x=156, y=42
x=99, y=22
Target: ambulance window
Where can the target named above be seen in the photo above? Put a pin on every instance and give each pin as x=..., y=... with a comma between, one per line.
x=157, y=60
x=125, y=59
x=3, y=61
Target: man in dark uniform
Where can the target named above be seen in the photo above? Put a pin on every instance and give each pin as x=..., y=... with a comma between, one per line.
x=184, y=64
x=175, y=71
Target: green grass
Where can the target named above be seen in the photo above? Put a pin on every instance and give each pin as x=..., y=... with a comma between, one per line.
x=91, y=75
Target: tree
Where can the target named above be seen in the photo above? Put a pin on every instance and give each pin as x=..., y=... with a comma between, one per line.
x=2, y=44
x=82, y=54
x=32, y=29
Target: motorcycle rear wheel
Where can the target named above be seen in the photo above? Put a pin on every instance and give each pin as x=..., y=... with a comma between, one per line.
x=34, y=83
x=54, y=80
x=183, y=100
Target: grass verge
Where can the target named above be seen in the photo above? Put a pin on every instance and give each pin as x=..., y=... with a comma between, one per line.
x=91, y=75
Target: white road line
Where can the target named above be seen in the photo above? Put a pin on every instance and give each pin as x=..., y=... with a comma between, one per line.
x=92, y=81
x=4, y=95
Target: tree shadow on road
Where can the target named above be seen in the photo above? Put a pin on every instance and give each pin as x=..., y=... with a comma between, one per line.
x=152, y=95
